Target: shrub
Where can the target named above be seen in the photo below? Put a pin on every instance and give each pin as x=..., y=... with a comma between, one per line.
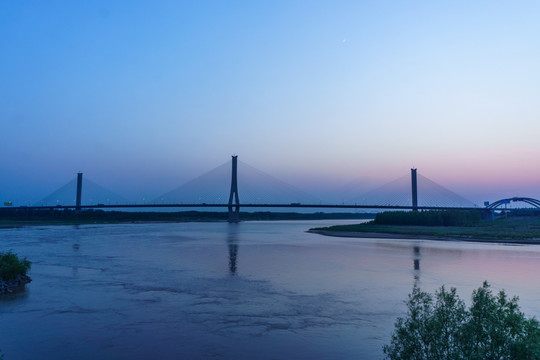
x=441, y=327
x=11, y=266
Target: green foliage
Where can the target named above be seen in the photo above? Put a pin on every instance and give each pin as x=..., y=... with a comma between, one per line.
x=11, y=266
x=442, y=328
x=429, y=218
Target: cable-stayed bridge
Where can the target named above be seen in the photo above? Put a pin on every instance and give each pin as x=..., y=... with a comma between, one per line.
x=93, y=194
x=254, y=186
x=399, y=192
x=225, y=185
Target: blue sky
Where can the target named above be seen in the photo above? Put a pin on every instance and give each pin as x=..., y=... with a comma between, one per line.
x=144, y=96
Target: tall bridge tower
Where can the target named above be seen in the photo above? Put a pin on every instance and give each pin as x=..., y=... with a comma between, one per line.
x=79, y=191
x=414, y=184
x=234, y=215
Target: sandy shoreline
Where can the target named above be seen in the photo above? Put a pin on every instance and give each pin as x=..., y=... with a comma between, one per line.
x=359, y=234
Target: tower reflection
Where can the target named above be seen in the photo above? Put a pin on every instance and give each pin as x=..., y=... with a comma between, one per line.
x=232, y=243
x=416, y=263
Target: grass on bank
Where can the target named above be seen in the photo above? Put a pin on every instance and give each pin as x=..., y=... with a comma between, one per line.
x=11, y=266
x=522, y=229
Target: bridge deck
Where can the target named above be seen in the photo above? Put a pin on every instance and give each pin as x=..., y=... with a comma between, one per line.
x=204, y=205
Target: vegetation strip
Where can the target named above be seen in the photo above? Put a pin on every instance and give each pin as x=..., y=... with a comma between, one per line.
x=27, y=217
x=390, y=235
x=515, y=230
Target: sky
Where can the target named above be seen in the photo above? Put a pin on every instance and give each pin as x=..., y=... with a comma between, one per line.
x=144, y=96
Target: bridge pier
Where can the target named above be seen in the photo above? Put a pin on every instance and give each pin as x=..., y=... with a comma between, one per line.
x=234, y=215
x=414, y=190
x=79, y=191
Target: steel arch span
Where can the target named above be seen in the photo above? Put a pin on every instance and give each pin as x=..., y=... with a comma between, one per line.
x=530, y=201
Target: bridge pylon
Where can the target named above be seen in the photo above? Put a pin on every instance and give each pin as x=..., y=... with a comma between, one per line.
x=414, y=184
x=79, y=191
x=234, y=215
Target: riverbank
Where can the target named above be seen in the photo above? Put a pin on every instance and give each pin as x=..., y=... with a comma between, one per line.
x=14, y=285
x=10, y=218
x=522, y=230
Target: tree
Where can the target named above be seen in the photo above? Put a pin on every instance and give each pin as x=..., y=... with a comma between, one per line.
x=440, y=327
x=11, y=266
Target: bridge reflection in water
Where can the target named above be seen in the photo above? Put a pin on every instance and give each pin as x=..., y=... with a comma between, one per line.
x=416, y=263
x=232, y=244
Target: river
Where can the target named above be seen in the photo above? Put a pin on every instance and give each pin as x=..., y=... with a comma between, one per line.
x=254, y=290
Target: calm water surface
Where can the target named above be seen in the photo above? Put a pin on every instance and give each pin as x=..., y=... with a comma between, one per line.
x=254, y=290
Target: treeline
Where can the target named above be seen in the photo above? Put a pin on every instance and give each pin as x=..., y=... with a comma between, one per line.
x=90, y=215
x=87, y=216
x=523, y=212
x=429, y=218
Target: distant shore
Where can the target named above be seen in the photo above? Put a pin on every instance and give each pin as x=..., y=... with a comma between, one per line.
x=518, y=230
x=9, y=218
x=377, y=235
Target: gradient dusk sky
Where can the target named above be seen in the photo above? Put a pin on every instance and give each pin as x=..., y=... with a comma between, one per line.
x=143, y=96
